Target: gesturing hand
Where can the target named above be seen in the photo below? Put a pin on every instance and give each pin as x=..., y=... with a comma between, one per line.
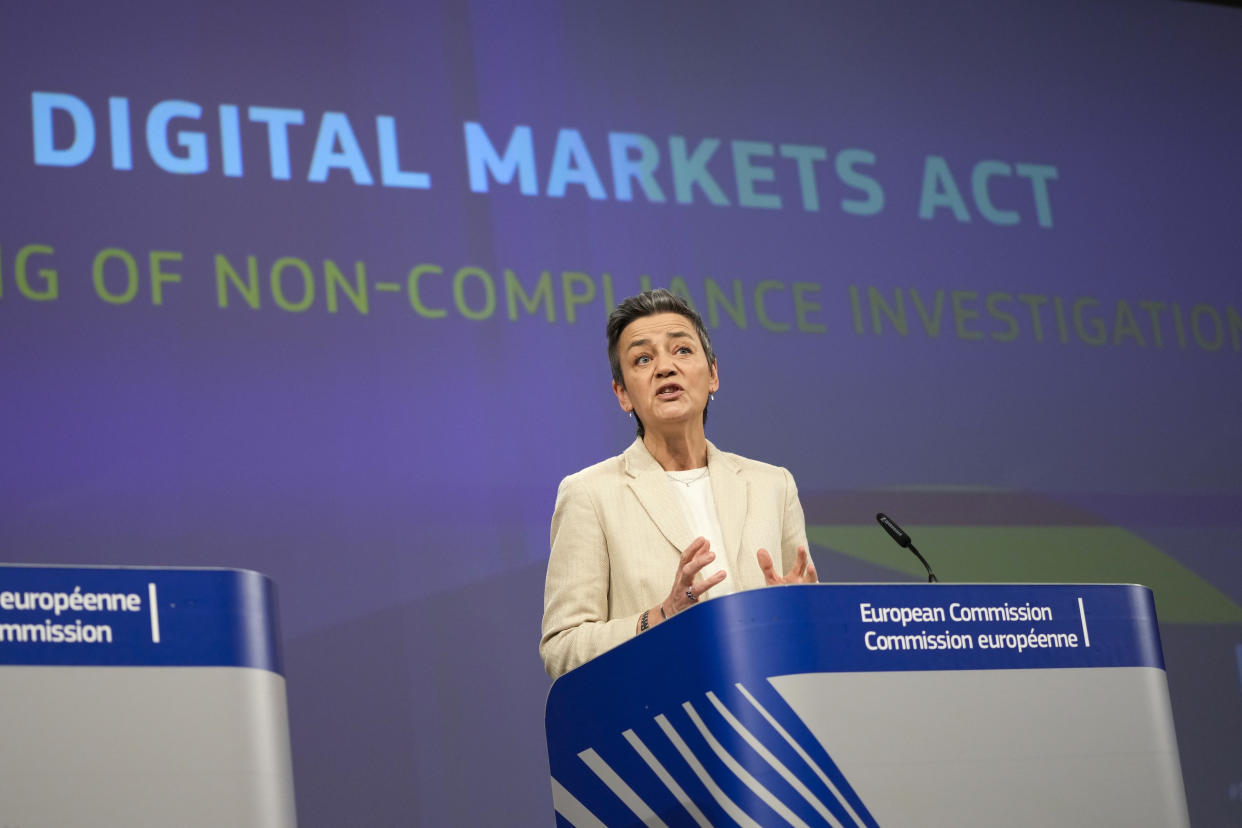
x=803, y=571
x=685, y=591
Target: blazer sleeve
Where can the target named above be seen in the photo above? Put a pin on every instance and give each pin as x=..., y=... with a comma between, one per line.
x=576, y=623
x=793, y=524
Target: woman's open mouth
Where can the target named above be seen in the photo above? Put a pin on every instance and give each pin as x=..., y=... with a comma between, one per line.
x=670, y=391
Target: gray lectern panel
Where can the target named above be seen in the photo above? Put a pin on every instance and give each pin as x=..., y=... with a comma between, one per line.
x=149, y=746
x=977, y=749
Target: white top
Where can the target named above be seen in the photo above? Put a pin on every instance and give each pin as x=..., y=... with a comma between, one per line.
x=694, y=490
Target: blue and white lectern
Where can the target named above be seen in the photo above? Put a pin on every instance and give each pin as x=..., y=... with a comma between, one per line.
x=141, y=697
x=865, y=705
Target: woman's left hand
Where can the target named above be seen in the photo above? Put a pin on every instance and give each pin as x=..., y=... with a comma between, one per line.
x=803, y=571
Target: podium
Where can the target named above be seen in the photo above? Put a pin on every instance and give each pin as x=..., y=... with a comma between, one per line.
x=876, y=705
x=141, y=697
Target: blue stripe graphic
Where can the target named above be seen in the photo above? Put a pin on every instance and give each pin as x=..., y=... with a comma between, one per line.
x=839, y=799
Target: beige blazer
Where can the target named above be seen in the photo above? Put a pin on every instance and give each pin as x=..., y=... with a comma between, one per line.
x=618, y=533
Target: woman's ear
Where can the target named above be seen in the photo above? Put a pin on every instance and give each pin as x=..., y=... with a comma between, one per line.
x=623, y=397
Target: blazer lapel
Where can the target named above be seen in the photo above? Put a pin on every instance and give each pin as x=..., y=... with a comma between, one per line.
x=650, y=485
x=729, y=492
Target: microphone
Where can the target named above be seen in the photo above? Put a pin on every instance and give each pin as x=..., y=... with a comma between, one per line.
x=903, y=540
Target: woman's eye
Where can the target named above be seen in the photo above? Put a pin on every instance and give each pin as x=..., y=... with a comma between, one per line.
x=642, y=360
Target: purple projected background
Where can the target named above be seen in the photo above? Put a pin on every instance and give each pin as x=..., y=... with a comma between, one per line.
x=391, y=457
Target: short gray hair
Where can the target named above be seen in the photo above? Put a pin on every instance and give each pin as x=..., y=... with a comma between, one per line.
x=649, y=303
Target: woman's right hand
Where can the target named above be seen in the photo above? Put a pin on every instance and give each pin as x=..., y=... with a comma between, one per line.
x=686, y=591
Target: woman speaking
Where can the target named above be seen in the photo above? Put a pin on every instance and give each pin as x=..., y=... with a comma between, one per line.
x=672, y=520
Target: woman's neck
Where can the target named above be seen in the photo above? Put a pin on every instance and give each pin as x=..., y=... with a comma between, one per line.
x=679, y=451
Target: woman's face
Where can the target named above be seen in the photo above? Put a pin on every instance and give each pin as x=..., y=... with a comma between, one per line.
x=667, y=378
